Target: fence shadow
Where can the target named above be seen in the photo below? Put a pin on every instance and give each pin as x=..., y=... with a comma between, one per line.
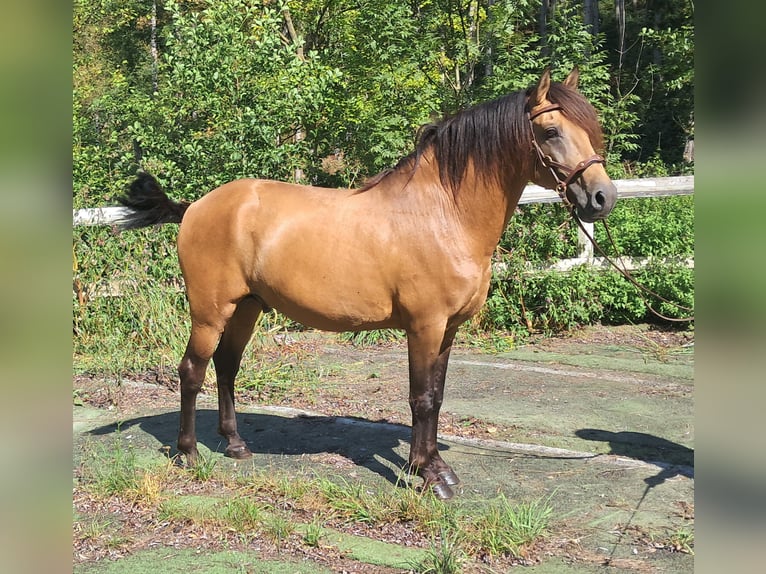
x=674, y=459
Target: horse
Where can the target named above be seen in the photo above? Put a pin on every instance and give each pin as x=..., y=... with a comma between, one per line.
x=410, y=249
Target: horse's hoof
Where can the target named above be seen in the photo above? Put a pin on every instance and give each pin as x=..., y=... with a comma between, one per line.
x=238, y=452
x=442, y=491
x=449, y=477
x=185, y=459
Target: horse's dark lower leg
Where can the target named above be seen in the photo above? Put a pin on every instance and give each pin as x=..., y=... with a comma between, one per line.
x=227, y=359
x=191, y=371
x=428, y=369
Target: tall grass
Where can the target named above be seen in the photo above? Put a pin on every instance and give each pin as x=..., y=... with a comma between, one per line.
x=444, y=556
x=114, y=469
x=141, y=329
x=147, y=328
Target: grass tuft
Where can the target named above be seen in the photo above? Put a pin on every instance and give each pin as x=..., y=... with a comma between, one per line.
x=278, y=527
x=371, y=338
x=444, y=556
x=203, y=469
x=313, y=533
x=506, y=529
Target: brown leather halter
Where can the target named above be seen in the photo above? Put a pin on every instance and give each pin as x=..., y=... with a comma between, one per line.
x=570, y=173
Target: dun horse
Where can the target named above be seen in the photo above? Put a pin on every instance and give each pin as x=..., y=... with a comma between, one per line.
x=409, y=250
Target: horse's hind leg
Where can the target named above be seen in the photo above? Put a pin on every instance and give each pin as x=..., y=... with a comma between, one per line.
x=227, y=359
x=191, y=370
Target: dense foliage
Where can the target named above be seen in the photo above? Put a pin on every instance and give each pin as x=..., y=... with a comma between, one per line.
x=330, y=92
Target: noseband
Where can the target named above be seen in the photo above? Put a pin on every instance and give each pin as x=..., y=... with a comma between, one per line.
x=570, y=173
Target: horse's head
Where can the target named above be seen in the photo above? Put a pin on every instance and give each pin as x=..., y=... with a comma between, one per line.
x=566, y=134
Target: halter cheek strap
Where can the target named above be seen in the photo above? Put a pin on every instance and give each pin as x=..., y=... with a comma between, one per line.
x=570, y=173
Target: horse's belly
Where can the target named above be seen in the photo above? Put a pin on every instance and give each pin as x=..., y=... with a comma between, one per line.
x=325, y=295
x=329, y=309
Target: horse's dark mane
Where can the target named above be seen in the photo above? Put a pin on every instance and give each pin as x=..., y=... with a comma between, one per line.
x=490, y=134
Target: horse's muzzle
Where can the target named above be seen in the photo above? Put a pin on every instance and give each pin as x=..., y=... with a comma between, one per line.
x=593, y=205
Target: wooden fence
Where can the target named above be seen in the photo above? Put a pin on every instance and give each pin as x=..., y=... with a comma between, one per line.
x=626, y=188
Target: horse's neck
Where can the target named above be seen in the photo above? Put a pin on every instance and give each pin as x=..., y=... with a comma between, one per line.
x=485, y=208
x=481, y=209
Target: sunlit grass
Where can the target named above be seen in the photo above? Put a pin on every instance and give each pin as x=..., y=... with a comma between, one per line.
x=274, y=504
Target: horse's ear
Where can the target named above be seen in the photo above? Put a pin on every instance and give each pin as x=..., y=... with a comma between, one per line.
x=572, y=78
x=539, y=93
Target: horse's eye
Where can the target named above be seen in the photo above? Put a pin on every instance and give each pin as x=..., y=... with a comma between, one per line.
x=551, y=133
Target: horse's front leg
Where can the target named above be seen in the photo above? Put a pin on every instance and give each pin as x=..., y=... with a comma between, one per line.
x=428, y=357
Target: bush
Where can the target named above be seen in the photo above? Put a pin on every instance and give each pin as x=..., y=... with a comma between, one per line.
x=551, y=302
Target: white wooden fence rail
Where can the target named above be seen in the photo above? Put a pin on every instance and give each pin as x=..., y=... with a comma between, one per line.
x=650, y=187
x=626, y=188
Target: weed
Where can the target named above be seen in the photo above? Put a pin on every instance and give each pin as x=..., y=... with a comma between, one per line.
x=235, y=514
x=171, y=510
x=312, y=534
x=271, y=373
x=112, y=470
x=426, y=512
x=498, y=529
x=506, y=529
x=241, y=514
x=371, y=338
x=117, y=541
x=681, y=541
x=93, y=528
x=445, y=555
x=204, y=468
x=278, y=528
x=150, y=484
x=133, y=332
x=279, y=489
x=351, y=501
x=77, y=398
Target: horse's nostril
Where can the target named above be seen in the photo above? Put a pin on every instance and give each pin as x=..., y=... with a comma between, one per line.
x=599, y=200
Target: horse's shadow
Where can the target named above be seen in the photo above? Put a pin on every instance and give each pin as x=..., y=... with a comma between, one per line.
x=366, y=443
x=674, y=459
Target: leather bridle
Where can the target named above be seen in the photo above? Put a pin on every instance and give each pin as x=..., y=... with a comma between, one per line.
x=570, y=173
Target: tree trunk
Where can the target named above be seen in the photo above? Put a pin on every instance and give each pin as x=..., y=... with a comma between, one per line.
x=300, y=134
x=619, y=10
x=155, y=52
x=546, y=8
x=590, y=15
x=293, y=33
x=488, y=64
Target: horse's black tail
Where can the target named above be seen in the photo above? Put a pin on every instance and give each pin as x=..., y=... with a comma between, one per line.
x=149, y=205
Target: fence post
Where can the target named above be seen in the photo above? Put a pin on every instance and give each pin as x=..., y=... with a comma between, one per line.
x=584, y=245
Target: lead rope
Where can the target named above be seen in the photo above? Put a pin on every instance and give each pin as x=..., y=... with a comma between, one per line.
x=627, y=275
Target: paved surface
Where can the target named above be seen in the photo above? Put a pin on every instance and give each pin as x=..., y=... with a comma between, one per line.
x=606, y=433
